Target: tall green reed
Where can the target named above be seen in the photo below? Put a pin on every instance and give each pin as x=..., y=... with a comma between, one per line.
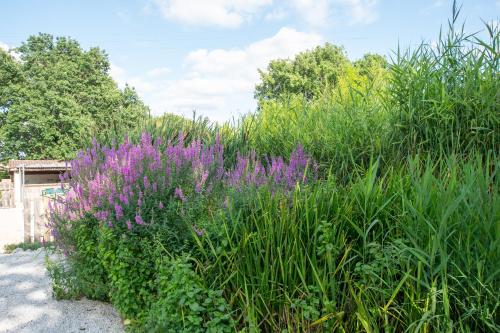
x=446, y=95
x=414, y=248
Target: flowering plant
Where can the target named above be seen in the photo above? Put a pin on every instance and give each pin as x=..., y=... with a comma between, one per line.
x=127, y=185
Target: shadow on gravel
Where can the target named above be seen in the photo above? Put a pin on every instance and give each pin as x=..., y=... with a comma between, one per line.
x=26, y=303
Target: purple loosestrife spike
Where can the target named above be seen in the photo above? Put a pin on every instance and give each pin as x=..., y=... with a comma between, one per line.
x=129, y=225
x=160, y=205
x=118, y=211
x=138, y=220
x=101, y=215
x=199, y=232
x=179, y=194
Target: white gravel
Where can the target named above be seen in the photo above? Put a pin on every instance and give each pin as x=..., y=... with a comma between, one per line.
x=27, y=305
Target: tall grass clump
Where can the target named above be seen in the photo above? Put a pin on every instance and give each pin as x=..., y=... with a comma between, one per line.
x=342, y=131
x=446, y=95
x=413, y=249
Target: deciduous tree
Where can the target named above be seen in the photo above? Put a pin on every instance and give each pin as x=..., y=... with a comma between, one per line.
x=57, y=96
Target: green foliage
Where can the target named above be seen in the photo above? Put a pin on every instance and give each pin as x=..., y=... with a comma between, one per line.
x=129, y=262
x=85, y=259
x=65, y=285
x=57, y=97
x=184, y=304
x=370, y=65
x=8, y=248
x=412, y=248
x=82, y=273
x=340, y=134
x=445, y=97
x=308, y=75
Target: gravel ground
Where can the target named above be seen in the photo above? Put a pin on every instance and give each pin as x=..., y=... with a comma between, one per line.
x=26, y=303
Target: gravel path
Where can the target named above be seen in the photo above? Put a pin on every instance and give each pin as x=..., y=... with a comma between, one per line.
x=26, y=303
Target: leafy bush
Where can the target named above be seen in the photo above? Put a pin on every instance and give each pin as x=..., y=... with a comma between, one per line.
x=184, y=304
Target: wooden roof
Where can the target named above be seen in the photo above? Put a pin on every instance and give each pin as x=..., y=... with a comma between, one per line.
x=39, y=165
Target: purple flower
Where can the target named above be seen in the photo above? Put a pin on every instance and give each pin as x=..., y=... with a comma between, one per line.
x=179, y=194
x=138, y=219
x=101, y=215
x=106, y=180
x=124, y=199
x=146, y=182
x=118, y=211
x=200, y=232
x=129, y=225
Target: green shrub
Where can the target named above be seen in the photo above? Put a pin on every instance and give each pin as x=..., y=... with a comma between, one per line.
x=85, y=259
x=8, y=248
x=129, y=261
x=184, y=304
x=65, y=285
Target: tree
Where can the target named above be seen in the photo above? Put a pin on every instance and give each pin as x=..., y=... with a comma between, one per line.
x=57, y=96
x=371, y=65
x=309, y=74
x=312, y=73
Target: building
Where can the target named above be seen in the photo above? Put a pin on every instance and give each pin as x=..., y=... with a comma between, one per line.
x=24, y=198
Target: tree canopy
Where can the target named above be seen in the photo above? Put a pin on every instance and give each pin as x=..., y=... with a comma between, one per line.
x=312, y=72
x=57, y=97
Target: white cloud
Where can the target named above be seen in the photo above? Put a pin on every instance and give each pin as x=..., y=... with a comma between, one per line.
x=218, y=83
x=224, y=13
x=118, y=74
x=10, y=51
x=434, y=5
x=276, y=14
x=361, y=11
x=121, y=77
x=314, y=12
x=319, y=13
x=233, y=13
x=158, y=71
x=4, y=46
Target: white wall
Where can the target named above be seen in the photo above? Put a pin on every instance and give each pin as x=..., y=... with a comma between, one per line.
x=17, y=189
x=11, y=226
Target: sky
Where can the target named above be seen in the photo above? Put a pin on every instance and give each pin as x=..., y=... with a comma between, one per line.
x=204, y=55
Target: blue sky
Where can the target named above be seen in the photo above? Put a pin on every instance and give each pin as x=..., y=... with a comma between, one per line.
x=182, y=55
